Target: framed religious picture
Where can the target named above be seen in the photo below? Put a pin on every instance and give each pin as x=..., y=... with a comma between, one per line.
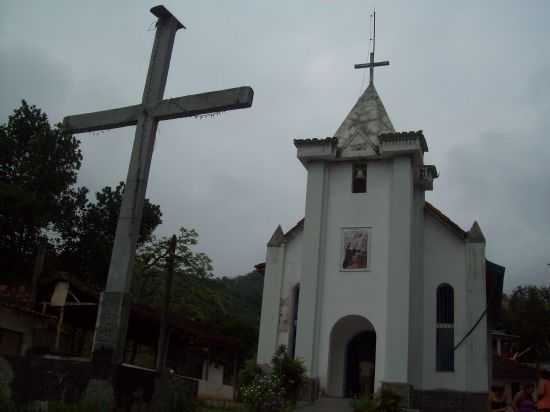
x=355, y=253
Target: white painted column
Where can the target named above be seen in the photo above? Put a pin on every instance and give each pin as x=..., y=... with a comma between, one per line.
x=399, y=273
x=477, y=361
x=271, y=298
x=416, y=304
x=309, y=316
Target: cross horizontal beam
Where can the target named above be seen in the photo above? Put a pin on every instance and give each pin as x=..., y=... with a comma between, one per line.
x=103, y=120
x=186, y=106
x=210, y=102
x=367, y=65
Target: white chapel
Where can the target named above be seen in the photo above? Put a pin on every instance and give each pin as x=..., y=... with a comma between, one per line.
x=375, y=285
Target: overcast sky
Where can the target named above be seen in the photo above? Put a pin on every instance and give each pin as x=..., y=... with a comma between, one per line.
x=473, y=75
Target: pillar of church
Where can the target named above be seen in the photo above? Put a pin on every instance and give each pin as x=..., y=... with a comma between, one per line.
x=269, y=323
x=416, y=304
x=477, y=378
x=399, y=273
x=309, y=313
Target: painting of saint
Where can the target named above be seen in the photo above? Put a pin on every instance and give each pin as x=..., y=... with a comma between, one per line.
x=355, y=253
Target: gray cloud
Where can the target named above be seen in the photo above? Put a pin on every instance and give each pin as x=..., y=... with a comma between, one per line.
x=502, y=181
x=471, y=75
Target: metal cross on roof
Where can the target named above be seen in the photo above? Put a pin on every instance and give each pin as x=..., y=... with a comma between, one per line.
x=372, y=64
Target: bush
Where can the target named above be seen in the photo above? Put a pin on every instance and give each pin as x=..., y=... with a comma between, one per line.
x=291, y=373
x=265, y=394
x=364, y=404
x=384, y=401
x=274, y=391
x=249, y=373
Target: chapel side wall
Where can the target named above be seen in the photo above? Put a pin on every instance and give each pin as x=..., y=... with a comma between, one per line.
x=444, y=262
x=355, y=293
x=291, y=277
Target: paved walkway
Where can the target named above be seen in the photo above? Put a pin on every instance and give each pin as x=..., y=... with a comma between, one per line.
x=328, y=405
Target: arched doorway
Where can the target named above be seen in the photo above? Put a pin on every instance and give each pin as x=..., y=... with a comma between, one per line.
x=360, y=360
x=352, y=357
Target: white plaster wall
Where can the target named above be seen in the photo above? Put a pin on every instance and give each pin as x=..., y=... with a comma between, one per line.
x=355, y=293
x=444, y=262
x=213, y=387
x=291, y=277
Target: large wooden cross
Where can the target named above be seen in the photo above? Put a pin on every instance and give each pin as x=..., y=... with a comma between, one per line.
x=112, y=318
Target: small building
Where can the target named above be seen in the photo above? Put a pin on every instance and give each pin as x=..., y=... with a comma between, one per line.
x=61, y=326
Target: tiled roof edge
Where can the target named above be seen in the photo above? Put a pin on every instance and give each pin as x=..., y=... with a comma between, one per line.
x=407, y=134
x=332, y=140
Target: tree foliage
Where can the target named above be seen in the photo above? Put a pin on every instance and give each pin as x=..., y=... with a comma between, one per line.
x=190, y=268
x=527, y=314
x=230, y=306
x=38, y=170
x=87, y=239
x=39, y=197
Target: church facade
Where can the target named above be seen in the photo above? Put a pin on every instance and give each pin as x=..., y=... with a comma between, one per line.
x=375, y=285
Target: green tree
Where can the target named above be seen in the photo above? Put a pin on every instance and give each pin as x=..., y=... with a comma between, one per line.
x=88, y=237
x=191, y=271
x=229, y=306
x=527, y=314
x=38, y=170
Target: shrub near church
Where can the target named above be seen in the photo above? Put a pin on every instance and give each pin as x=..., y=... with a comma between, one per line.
x=275, y=390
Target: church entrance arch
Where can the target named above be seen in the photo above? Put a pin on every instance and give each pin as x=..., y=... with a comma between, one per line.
x=352, y=357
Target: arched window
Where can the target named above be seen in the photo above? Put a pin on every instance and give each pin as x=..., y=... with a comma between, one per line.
x=445, y=332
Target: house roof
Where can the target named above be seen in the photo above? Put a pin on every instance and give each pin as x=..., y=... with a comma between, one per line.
x=27, y=311
x=365, y=122
x=200, y=332
x=443, y=218
x=295, y=229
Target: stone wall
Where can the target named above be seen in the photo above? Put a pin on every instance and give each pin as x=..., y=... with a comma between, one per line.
x=33, y=378
x=37, y=378
x=449, y=401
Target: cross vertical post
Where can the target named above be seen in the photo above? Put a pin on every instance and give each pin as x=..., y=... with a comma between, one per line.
x=372, y=64
x=114, y=308
x=112, y=322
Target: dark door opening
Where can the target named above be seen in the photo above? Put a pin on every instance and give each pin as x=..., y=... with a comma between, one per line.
x=360, y=363
x=294, y=326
